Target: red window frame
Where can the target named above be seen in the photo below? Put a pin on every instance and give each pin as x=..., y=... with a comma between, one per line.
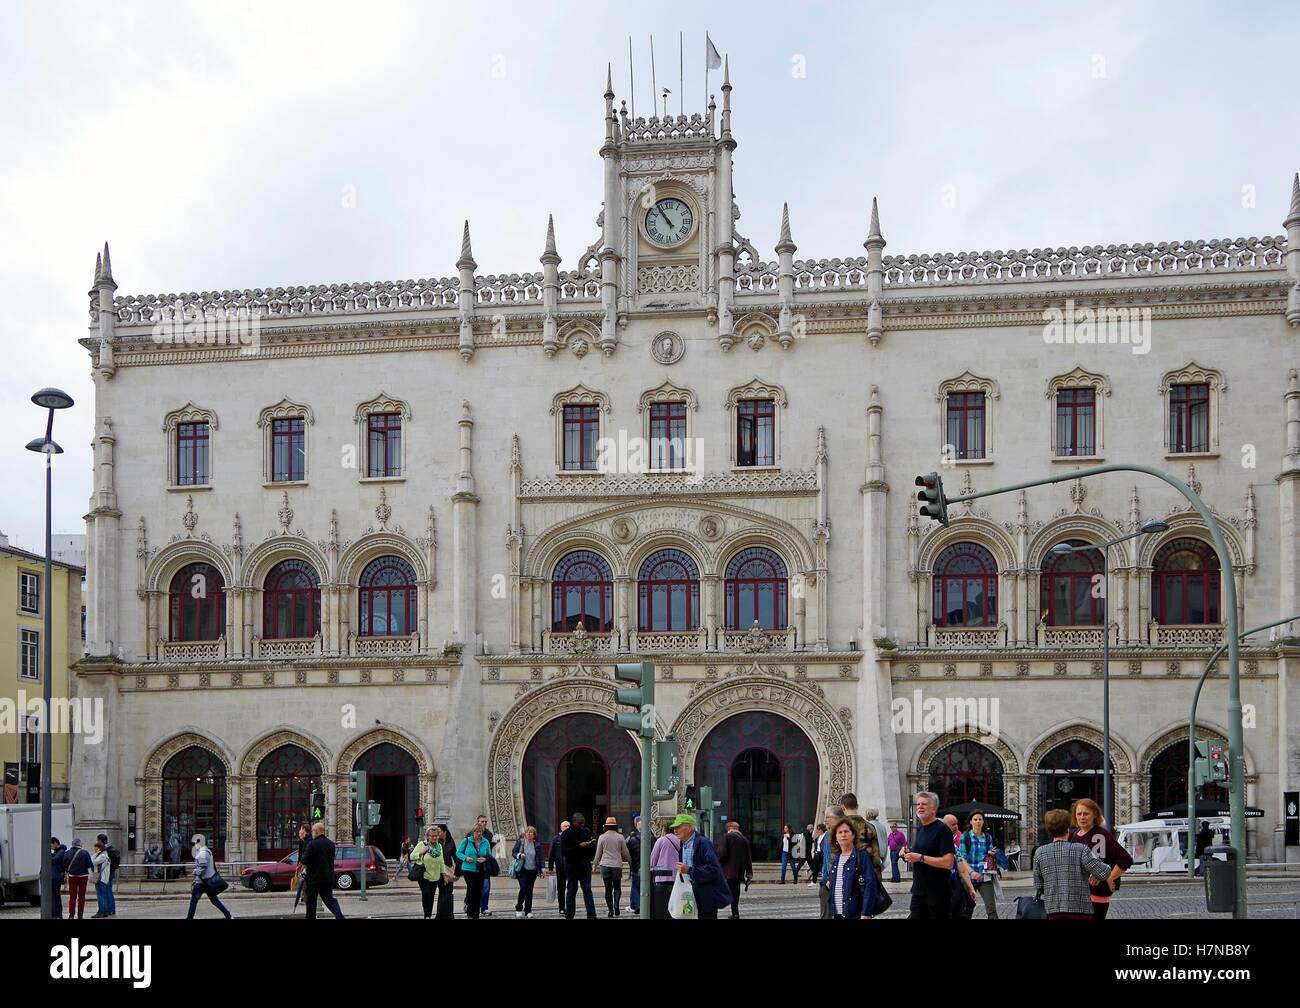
x=1076, y=422
x=384, y=444
x=1189, y=418
x=1172, y=586
x=196, y=618
x=976, y=584
x=1074, y=574
x=755, y=432
x=667, y=435
x=291, y=593
x=387, y=587
x=581, y=432
x=668, y=576
x=584, y=578
x=750, y=573
x=288, y=450
x=965, y=426
x=192, y=442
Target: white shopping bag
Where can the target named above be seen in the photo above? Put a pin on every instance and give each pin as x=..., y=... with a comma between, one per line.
x=551, y=891
x=997, y=889
x=681, y=903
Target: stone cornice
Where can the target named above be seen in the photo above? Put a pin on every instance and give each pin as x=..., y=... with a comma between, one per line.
x=671, y=486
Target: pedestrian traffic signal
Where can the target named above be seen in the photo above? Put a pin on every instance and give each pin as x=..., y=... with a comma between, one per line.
x=706, y=810
x=373, y=812
x=1218, y=756
x=666, y=764
x=357, y=786
x=1211, y=764
x=688, y=803
x=640, y=718
x=318, y=806
x=933, y=503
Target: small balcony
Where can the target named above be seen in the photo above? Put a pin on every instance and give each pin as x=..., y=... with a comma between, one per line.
x=756, y=640
x=1207, y=635
x=1065, y=638
x=579, y=642
x=965, y=638
x=287, y=647
x=668, y=642
x=192, y=651
x=383, y=647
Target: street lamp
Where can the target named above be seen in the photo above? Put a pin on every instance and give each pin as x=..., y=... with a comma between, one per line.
x=49, y=399
x=1060, y=549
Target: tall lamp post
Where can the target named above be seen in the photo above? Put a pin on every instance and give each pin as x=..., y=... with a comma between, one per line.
x=1061, y=549
x=49, y=399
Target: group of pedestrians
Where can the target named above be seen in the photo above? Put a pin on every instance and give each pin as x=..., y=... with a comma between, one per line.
x=77, y=866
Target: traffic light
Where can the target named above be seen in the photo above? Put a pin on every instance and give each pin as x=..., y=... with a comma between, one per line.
x=357, y=786
x=707, y=811
x=318, y=806
x=373, y=812
x=641, y=699
x=688, y=803
x=1218, y=757
x=933, y=503
x=666, y=764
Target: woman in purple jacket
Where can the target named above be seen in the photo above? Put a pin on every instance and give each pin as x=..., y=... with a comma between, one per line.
x=1090, y=828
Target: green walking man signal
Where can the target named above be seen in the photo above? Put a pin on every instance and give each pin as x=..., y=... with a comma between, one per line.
x=640, y=718
x=318, y=806
x=934, y=505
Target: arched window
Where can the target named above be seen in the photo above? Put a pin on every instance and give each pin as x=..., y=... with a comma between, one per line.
x=1185, y=583
x=1169, y=779
x=291, y=601
x=1070, y=592
x=196, y=604
x=194, y=801
x=668, y=590
x=966, y=586
x=286, y=777
x=582, y=592
x=966, y=771
x=387, y=593
x=756, y=590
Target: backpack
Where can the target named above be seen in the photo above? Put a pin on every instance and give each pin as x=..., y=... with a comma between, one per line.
x=114, y=857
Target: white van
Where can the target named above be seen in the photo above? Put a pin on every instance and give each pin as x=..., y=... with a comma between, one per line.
x=1159, y=846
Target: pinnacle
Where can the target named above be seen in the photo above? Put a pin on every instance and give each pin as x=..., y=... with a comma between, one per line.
x=108, y=265
x=550, y=254
x=609, y=80
x=1293, y=216
x=726, y=72
x=874, y=235
x=785, y=243
x=466, y=256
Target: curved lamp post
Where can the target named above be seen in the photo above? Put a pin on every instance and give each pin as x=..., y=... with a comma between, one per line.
x=49, y=399
x=1060, y=549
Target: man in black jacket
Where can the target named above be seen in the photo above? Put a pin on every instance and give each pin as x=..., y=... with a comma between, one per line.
x=578, y=849
x=634, y=848
x=556, y=864
x=318, y=862
x=737, y=863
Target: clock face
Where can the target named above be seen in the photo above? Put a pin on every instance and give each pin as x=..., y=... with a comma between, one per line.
x=669, y=221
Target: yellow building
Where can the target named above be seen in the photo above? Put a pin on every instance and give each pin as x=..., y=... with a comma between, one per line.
x=22, y=638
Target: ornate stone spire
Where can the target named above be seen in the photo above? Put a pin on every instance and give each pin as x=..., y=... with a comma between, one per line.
x=1292, y=217
x=785, y=243
x=549, y=254
x=1292, y=225
x=466, y=260
x=465, y=297
x=874, y=236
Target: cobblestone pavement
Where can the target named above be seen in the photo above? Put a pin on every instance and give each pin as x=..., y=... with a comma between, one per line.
x=1269, y=898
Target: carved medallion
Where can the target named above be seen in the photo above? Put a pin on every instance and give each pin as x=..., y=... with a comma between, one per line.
x=667, y=348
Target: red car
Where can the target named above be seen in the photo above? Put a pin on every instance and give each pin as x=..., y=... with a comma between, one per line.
x=276, y=875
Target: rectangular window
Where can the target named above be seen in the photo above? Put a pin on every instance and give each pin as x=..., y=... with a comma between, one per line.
x=966, y=424
x=288, y=450
x=29, y=753
x=581, y=430
x=668, y=435
x=29, y=663
x=384, y=444
x=755, y=432
x=1076, y=422
x=29, y=592
x=191, y=454
x=1189, y=418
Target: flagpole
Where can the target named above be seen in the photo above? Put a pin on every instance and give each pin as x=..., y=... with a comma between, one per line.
x=631, y=76
x=654, y=84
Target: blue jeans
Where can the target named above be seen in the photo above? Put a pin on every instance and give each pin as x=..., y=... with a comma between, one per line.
x=109, y=896
x=635, y=901
x=893, y=863
x=487, y=888
x=197, y=892
x=785, y=863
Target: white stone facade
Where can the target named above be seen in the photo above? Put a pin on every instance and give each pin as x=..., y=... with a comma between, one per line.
x=858, y=357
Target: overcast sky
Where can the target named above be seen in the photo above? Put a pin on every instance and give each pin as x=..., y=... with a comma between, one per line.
x=212, y=145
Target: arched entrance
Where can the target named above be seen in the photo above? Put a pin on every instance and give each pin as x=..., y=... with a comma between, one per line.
x=392, y=779
x=764, y=771
x=1168, y=784
x=1068, y=772
x=286, y=778
x=580, y=762
x=194, y=801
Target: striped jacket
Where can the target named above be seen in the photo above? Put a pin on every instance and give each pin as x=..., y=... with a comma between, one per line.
x=1061, y=871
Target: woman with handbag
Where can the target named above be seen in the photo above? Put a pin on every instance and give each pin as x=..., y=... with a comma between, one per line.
x=427, y=867
x=474, y=856
x=445, y=883
x=526, y=866
x=980, y=852
x=852, y=881
x=206, y=880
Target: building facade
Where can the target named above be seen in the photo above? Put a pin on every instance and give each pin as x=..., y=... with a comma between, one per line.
x=22, y=640
x=409, y=527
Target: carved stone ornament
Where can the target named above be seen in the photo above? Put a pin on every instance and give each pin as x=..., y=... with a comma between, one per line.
x=711, y=528
x=667, y=348
x=623, y=530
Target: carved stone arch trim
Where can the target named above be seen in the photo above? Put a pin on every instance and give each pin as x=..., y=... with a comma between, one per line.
x=552, y=547
x=811, y=713
x=968, y=528
x=285, y=409
x=266, y=554
x=1011, y=763
x=189, y=413
x=756, y=388
x=516, y=730
x=377, y=544
x=381, y=403
x=1188, y=524
x=172, y=557
x=1121, y=756
x=1079, y=379
x=755, y=329
x=668, y=392
x=151, y=777
x=367, y=739
x=661, y=539
x=579, y=395
x=1159, y=741
x=1089, y=528
x=745, y=538
x=578, y=329
x=269, y=741
x=1195, y=374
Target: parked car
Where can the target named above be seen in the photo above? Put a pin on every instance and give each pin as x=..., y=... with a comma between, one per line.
x=277, y=875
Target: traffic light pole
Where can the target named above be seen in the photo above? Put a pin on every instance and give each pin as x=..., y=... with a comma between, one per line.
x=1235, y=733
x=1191, y=739
x=647, y=894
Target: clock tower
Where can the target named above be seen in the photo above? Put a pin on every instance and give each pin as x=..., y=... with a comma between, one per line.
x=670, y=239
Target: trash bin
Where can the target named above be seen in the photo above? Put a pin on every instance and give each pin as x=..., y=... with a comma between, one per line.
x=1220, y=879
x=660, y=892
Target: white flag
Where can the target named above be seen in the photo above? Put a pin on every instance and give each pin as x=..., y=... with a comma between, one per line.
x=711, y=58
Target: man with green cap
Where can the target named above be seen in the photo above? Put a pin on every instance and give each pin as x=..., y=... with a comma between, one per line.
x=684, y=851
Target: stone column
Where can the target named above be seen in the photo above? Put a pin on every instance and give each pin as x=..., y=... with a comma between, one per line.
x=95, y=766
x=622, y=585
x=711, y=622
